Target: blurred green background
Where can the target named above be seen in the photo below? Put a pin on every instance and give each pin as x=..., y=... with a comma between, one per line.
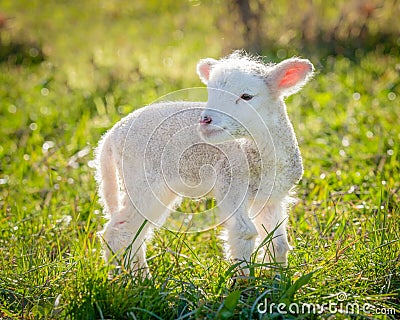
x=93, y=44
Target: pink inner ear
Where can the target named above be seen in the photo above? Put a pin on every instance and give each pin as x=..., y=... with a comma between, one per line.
x=205, y=70
x=293, y=75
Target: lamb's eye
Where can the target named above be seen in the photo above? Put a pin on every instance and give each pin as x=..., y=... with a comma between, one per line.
x=246, y=96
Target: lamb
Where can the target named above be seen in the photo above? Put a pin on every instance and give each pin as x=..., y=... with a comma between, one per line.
x=239, y=147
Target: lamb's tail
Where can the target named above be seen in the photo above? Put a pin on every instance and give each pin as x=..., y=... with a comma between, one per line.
x=107, y=176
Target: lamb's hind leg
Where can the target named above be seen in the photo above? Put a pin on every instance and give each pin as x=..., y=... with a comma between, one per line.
x=128, y=229
x=124, y=239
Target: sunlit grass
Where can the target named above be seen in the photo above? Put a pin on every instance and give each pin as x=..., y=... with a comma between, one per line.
x=344, y=228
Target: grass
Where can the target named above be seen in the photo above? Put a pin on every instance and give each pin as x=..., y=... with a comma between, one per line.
x=54, y=108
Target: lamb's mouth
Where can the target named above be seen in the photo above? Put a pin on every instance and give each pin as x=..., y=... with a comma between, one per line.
x=208, y=130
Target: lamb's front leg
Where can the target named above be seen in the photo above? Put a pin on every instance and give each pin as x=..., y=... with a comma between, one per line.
x=241, y=236
x=273, y=218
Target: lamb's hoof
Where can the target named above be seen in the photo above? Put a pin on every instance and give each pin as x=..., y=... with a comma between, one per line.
x=142, y=273
x=239, y=281
x=241, y=275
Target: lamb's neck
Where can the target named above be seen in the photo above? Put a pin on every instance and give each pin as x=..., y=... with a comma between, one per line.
x=277, y=146
x=276, y=133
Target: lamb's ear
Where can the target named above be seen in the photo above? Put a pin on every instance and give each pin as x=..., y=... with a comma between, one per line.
x=289, y=76
x=204, y=68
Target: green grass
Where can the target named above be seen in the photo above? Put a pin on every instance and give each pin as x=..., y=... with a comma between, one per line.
x=345, y=228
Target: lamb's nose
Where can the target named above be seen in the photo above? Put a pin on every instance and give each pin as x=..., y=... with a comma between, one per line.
x=205, y=120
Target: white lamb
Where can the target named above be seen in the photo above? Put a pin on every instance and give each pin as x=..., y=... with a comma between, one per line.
x=239, y=148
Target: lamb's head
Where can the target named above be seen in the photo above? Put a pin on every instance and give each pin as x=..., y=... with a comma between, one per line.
x=242, y=91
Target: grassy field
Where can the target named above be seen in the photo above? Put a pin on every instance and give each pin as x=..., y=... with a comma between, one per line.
x=68, y=71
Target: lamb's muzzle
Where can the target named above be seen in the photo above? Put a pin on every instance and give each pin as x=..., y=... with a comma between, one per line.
x=204, y=120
